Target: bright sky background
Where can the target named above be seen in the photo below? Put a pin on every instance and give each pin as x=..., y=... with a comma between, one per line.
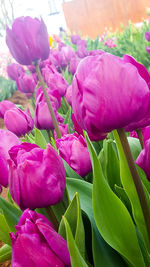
x=37, y=8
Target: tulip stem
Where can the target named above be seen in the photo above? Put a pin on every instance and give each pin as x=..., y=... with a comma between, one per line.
x=52, y=217
x=140, y=136
x=54, y=120
x=136, y=179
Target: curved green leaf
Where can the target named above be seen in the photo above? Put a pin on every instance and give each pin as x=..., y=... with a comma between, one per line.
x=130, y=189
x=76, y=258
x=104, y=254
x=112, y=217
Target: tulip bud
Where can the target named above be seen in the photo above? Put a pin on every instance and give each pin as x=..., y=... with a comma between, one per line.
x=14, y=71
x=63, y=129
x=147, y=36
x=75, y=39
x=34, y=168
x=7, y=140
x=26, y=84
x=42, y=116
x=144, y=159
x=68, y=95
x=4, y=106
x=36, y=243
x=73, y=149
x=28, y=40
x=18, y=121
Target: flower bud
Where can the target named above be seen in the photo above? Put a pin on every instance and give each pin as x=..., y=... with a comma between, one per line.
x=18, y=121
x=36, y=243
x=73, y=149
x=35, y=179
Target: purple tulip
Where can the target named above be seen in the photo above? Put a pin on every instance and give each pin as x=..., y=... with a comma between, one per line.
x=82, y=51
x=75, y=39
x=7, y=140
x=79, y=130
x=55, y=80
x=42, y=117
x=65, y=55
x=144, y=159
x=26, y=83
x=28, y=40
x=14, y=71
x=18, y=121
x=73, y=149
x=109, y=95
x=34, y=168
x=73, y=64
x=147, y=49
x=145, y=134
x=63, y=129
x=4, y=106
x=147, y=36
x=54, y=57
x=36, y=243
x=68, y=95
x=53, y=95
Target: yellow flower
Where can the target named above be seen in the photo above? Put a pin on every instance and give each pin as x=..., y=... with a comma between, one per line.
x=50, y=41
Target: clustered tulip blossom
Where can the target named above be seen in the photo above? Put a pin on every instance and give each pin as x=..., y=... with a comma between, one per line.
x=33, y=167
x=110, y=95
x=73, y=149
x=18, y=121
x=36, y=243
x=28, y=40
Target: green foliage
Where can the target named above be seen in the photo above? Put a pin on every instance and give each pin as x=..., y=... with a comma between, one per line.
x=5, y=253
x=111, y=216
x=7, y=88
x=131, y=40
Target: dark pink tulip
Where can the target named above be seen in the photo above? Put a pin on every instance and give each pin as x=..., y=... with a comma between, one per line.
x=7, y=140
x=145, y=133
x=147, y=49
x=75, y=39
x=42, y=116
x=82, y=51
x=68, y=95
x=14, y=71
x=109, y=95
x=63, y=129
x=79, y=130
x=54, y=57
x=144, y=159
x=55, y=80
x=36, y=243
x=73, y=149
x=65, y=55
x=35, y=179
x=4, y=106
x=18, y=121
x=28, y=40
x=26, y=83
x=73, y=64
x=147, y=36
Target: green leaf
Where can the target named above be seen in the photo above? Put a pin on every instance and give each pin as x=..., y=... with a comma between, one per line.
x=4, y=230
x=105, y=254
x=120, y=192
x=112, y=217
x=5, y=253
x=74, y=218
x=76, y=258
x=130, y=189
x=112, y=165
x=68, y=116
x=39, y=139
x=11, y=213
x=135, y=146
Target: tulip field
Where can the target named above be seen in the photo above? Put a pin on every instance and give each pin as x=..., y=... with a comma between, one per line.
x=76, y=163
